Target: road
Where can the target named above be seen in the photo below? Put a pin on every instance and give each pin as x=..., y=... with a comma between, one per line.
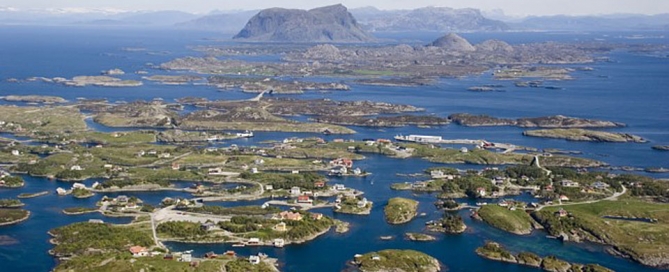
x=613, y=197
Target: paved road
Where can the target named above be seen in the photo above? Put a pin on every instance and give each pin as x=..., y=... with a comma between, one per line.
x=613, y=197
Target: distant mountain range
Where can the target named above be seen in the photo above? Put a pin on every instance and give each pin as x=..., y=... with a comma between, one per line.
x=434, y=19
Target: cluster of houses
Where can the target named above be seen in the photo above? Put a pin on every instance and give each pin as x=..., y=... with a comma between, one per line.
x=153, y=153
x=121, y=203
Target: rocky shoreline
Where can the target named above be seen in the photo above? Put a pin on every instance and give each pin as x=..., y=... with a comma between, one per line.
x=585, y=135
x=555, y=121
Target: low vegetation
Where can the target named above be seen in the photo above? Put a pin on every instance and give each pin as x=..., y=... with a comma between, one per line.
x=400, y=210
x=516, y=221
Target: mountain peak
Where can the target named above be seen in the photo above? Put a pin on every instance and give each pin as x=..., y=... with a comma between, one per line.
x=453, y=42
x=325, y=24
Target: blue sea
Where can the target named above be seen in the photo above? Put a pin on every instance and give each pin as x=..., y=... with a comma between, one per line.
x=630, y=88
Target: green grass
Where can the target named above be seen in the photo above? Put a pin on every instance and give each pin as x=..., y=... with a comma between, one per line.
x=397, y=260
x=400, y=210
x=640, y=240
x=518, y=221
x=9, y=215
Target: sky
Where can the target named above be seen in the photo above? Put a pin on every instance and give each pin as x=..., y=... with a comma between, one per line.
x=510, y=7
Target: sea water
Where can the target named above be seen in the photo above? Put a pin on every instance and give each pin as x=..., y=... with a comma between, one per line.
x=630, y=88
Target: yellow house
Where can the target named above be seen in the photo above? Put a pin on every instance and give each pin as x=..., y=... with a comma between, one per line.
x=280, y=227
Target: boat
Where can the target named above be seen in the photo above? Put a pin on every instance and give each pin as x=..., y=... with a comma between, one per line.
x=245, y=134
x=386, y=238
x=238, y=245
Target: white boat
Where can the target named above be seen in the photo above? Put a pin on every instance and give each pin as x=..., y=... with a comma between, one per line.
x=245, y=134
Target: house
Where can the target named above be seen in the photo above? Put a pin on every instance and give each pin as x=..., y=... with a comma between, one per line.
x=437, y=174
x=280, y=227
x=165, y=155
x=254, y=170
x=279, y=242
x=259, y=161
x=186, y=257
x=304, y=199
x=338, y=171
x=569, y=183
x=152, y=152
x=339, y=187
x=316, y=216
x=319, y=184
x=230, y=253
x=77, y=185
x=269, y=187
x=210, y=255
x=564, y=198
x=464, y=150
x=16, y=152
x=288, y=215
x=208, y=226
x=253, y=241
x=215, y=171
x=76, y=168
x=561, y=213
x=139, y=251
x=96, y=221
x=108, y=166
x=600, y=185
x=357, y=171
x=61, y=191
x=295, y=191
x=383, y=141
x=480, y=191
x=122, y=199
x=362, y=203
x=176, y=166
x=254, y=259
x=348, y=163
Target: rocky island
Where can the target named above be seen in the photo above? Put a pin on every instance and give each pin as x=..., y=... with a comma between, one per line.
x=324, y=24
x=46, y=99
x=661, y=147
x=555, y=121
x=13, y=216
x=452, y=224
x=585, y=135
x=396, y=261
x=515, y=221
x=496, y=252
x=400, y=210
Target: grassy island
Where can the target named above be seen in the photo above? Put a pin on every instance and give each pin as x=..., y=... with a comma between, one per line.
x=354, y=205
x=449, y=224
x=575, y=134
x=13, y=216
x=637, y=229
x=82, y=193
x=10, y=203
x=496, y=252
x=420, y=237
x=514, y=221
x=397, y=260
x=79, y=210
x=400, y=210
x=32, y=195
x=12, y=182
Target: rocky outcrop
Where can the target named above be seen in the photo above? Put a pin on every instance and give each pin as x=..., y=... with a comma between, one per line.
x=494, y=46
x=661, y=147
x=34, y=99
x=555, y=121
x=585, y=135
x=325, y=24
x=453, y=42
x=395, y=260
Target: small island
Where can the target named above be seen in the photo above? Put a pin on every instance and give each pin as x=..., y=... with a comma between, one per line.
x=554, y=121
x=661, y=147
x=46, y=99
x=82, y=193
x=79, y=210
x=400, y=210
x=12, y=182
x=452, y=224
x=10, y=203
x=13, y=216
x=353, y=205
x=585, y=135
x=32, y=195
x=397, y=261
x=419, y=237
x=494, y=251
x=515, y=221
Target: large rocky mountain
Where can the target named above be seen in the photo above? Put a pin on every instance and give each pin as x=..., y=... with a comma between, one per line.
x=325, y=24
x=229, y=22
x=438, y=19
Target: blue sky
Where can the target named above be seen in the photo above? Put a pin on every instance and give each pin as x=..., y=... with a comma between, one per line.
x=510, y=7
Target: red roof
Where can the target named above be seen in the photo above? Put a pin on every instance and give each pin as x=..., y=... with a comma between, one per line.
x=137, y=249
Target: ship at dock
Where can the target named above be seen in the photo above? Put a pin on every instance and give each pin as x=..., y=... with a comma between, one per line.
x=419, y=138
